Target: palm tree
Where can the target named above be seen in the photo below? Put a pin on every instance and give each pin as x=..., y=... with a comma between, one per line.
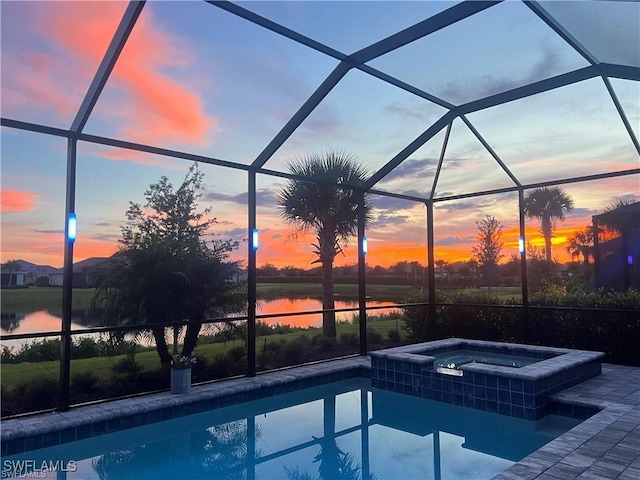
x=581, y=243
x=611, y=226
x=323, y=206
x=547, y=204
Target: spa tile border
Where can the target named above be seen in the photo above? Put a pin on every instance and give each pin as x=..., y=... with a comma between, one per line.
x=517, y=392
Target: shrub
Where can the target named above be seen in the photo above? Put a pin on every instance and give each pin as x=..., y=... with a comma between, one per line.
x=85, y=347
x=40, y=351
x=373, y=336
x=394, y=335
x=39, y=395
x=325, y=343
x=416, y=318
x=294, y=351
x=237, y=353
x=8, y=355
x=350, y=339
x=127, y=366
x=84, y=383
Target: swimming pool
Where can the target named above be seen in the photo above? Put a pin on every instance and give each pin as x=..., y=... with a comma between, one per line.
x=344, y=429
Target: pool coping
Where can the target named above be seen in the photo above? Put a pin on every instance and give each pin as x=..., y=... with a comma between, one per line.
x=18, y=435
x=562, y=357
x=607, y=445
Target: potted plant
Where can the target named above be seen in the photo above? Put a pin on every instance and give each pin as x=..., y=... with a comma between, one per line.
x=181, y=373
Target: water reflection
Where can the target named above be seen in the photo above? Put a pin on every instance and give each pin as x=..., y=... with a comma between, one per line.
x=44, y=321
x=343, y=430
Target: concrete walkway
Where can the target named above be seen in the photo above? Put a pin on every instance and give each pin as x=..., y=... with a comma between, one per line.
x=605, y=446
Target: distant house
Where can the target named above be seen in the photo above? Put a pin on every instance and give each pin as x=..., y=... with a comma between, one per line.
x=26, y=274
x=617, y=259
x=86, y=273
x=238, y=275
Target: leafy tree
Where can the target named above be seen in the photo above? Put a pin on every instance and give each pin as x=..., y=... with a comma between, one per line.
x=268, y=270
x=328, y=209
x=13, y=266
x=543, y=275
x=547, y=204
x=488, y=250
x=291, y=271
x=440, y=263
x=581, y=243
x=168, y=267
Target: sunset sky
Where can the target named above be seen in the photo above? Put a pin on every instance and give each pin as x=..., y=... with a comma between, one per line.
x=195, y=78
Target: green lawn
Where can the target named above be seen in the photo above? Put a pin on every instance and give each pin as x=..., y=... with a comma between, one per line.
x=33, y=299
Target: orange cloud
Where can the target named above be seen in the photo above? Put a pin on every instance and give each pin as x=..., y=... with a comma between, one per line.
x=16, y=201
x=154, y=106
x=87, y=247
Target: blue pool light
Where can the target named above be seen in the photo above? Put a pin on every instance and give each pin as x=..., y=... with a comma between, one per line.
x=71, y=227
x=365, y=245
x=254, y=239
x=521, y=245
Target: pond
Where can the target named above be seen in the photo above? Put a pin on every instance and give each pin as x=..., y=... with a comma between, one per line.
x=43, y=321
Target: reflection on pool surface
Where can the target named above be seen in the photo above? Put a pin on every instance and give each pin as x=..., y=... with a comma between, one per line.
x=340, y=430
x=456, y=358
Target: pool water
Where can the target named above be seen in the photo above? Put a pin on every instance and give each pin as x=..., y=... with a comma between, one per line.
x=343, y=430
x=456, y=358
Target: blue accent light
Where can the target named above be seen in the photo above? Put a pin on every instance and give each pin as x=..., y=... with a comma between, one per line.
x=71, y=227
x=365, y=245
x=254, y=239
x=521, y=245
x=630, y=259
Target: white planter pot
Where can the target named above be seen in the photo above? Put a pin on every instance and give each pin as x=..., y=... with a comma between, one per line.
x=180, y=380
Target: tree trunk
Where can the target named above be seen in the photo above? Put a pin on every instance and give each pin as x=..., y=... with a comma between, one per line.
x=161, y=345
x=328, y=318
x=547, y=231
x=191, y=338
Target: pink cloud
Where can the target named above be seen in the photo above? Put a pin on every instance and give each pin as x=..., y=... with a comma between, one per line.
x=141, y=101
x=153, y=105
x=16, y=201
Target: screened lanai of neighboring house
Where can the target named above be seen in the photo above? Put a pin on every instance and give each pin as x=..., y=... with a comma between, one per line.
x=456, y=109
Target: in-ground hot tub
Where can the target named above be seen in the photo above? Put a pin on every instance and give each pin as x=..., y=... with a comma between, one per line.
x=505, y=378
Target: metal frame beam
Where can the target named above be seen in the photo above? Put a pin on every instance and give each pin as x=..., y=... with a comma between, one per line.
x=550, y=20
x=621, y=112
x=421, y=29
x=67, y=280
x=107, y=64
x=294, y=122
x=443, y=151
x=362, y=279
x=409, y=149
x=491, y=151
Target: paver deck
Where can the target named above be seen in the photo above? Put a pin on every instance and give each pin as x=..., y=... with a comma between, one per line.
x=605, y=446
